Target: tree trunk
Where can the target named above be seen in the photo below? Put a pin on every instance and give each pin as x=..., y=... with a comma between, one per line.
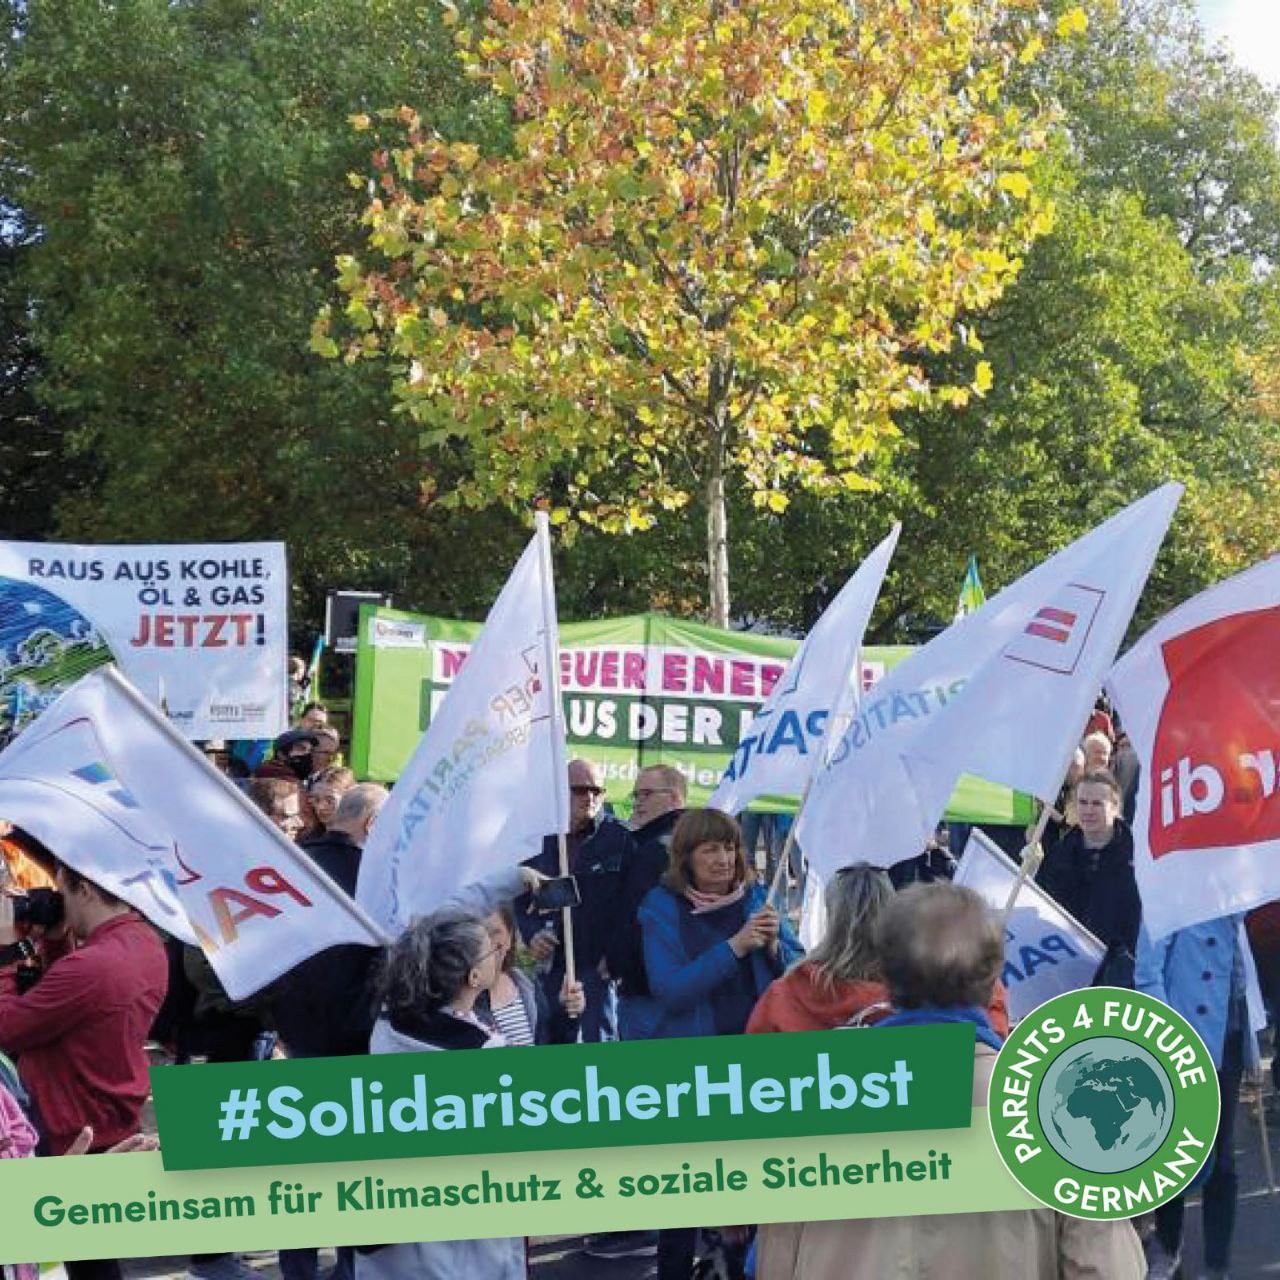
x=717, y=537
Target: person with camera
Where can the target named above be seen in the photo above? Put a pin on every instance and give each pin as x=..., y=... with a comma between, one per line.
x=79, y=1034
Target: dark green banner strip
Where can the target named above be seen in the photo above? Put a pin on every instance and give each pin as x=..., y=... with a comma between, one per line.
x=565, y=1097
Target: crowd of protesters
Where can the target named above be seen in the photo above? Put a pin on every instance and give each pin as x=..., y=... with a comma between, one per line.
x=674, y=935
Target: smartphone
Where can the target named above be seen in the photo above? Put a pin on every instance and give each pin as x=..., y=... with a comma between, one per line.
x=555, y=895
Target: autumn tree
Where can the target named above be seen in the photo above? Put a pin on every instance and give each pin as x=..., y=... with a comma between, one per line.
x=721, y=242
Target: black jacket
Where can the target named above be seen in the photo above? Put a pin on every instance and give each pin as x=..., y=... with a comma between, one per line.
x=597, y=860
x=324, y=1006
x=645, y=865
x=1097, y=886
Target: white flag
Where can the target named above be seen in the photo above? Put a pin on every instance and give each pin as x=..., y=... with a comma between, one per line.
x=121, y=797
x=1046, y=950
x=488, y=780
x=777, y=755
x=1199, y=696
x=1003, y=694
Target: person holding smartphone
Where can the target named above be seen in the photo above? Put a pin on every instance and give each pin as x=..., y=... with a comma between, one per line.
x=598, y=845
x=712, y=946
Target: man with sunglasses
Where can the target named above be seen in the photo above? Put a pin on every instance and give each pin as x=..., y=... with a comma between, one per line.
x=598, y=845
x=658, y=800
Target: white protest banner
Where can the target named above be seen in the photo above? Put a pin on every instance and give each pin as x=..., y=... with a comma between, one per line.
x=777, y=756
x=1002, y=694
x=1046, y=950
x=206, y=624
x=116, y=793
x=1199, y=696
x=488, y=779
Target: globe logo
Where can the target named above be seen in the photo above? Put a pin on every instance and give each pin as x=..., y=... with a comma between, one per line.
x=1106, y=1104
x=45, y=647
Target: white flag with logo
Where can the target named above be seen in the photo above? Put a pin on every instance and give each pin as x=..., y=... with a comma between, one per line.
x=1003, y=693
x=488, y=780
x=1046, y=950
x=1199, y=697
x=120, y=796
x=776, y=756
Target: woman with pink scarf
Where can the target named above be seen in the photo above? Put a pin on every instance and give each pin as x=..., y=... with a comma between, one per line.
x=711, y=945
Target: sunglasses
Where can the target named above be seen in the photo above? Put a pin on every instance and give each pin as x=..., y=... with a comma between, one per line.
x=581, y=790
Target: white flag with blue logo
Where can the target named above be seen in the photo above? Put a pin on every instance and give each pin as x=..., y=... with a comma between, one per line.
x=488, y=779
x=777, y=753
x=117, y=794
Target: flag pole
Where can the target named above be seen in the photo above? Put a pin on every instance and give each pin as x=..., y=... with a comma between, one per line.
x=326, y=882
x=1032, y=857
x=559, y=766
x=838, y=720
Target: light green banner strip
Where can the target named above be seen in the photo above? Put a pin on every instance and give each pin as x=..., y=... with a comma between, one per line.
x=124, y=1206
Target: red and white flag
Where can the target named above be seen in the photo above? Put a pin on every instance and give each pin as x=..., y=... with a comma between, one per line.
x=1199, y=696
x=1001, y=694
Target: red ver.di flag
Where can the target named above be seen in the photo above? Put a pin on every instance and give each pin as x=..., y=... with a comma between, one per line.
x=201, y=628
x=1199, y=696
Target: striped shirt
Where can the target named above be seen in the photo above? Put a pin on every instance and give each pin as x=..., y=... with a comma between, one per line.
x=513, y=1022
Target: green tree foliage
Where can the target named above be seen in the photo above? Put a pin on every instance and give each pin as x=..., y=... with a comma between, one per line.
x=184, y=166
x=722, y=243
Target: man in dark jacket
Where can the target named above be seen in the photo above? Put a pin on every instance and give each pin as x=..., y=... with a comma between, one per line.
x=658, y=802
x=324, y=1006
x=1090, y=873
x=597, y=846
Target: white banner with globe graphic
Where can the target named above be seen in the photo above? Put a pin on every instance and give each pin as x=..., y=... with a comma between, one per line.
x=200, y=629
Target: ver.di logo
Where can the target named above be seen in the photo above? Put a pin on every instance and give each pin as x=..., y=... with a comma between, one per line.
x=1104, y=1103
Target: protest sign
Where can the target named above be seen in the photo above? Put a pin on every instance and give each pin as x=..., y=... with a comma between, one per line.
x=638, y=691
x=106, y=782
x=1001, y=694
x=1046, y=950
x=488, y=779
x=202, y=629
x=1199, y=696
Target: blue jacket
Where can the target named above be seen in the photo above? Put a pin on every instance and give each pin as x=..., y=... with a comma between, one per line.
x=1190, y=970
x=681, y=984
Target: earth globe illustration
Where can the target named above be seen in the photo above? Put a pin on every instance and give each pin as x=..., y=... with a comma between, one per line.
x=45, y=647
x=1106, y=1105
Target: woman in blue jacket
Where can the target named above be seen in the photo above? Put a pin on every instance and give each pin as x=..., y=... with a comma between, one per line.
x=711, y=948
x=711, y=945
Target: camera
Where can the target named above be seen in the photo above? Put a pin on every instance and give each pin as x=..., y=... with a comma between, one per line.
x=42, y=907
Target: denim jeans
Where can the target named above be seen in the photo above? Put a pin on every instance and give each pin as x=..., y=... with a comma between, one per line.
x=1218, y=1193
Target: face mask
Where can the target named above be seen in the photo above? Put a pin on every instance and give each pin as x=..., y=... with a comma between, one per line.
x=301, y=765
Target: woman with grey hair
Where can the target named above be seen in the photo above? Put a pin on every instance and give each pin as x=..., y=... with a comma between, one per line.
x=940, y=948
x=430, y=980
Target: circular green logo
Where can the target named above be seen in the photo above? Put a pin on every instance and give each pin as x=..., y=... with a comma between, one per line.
x=1104, y=1103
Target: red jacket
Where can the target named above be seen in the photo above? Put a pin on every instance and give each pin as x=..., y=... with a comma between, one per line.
x=799, y=1002
x=80, y=1033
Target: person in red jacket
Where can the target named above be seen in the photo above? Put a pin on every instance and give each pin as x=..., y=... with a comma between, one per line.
x=840, y=979
x=79, y=1034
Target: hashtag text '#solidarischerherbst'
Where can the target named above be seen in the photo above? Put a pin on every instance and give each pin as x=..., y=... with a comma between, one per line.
x=290, y=1114
x=373, y=1194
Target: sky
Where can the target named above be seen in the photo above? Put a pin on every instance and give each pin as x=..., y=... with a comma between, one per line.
x=1251, y=29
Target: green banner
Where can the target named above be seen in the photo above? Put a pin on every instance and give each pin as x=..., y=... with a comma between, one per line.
x=127, y=1206
x=702, y=1089
x=638, y=691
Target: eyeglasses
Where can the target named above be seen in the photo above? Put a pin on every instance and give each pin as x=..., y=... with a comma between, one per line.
x=643, y=793
x=581, y=790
